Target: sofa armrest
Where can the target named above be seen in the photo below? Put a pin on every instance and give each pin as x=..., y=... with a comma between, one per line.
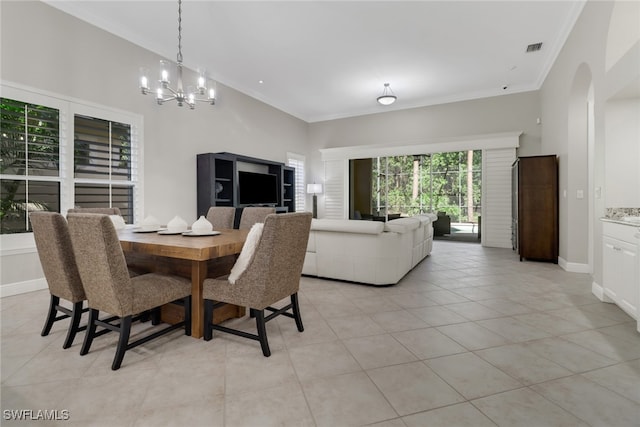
x=402, y=225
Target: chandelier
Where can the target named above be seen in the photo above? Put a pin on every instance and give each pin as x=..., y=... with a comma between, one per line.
x=387, y=97
x=164, y=92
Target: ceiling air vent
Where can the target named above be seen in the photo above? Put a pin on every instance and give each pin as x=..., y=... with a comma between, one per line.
x=534, y=47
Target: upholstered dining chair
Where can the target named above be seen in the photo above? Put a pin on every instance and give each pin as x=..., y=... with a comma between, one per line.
x=106, y=211
x=53, y=243
x=221, y=217
x=252, y=215
x=103, y=270
x=273, y=260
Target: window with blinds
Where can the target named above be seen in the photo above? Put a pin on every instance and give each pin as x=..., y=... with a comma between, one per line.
x=297, y=161
x=30, y=162
x=103, y=166
x=45, y=166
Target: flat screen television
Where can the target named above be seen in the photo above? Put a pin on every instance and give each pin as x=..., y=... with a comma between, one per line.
x=257, y=189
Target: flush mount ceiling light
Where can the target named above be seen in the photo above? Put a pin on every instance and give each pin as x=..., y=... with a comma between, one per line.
x=165, y=93
x=387, y=97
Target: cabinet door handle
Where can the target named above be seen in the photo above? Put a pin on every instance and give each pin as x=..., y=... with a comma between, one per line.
x=615, y=248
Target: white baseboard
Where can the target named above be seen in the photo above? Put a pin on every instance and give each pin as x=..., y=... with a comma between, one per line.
x=597, y=291
x=573, y=267
x=22, y=287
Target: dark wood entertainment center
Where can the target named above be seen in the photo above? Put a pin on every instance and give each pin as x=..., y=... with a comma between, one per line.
x=217, y=180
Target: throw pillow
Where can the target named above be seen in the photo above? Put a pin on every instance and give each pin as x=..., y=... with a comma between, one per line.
x=248, y=249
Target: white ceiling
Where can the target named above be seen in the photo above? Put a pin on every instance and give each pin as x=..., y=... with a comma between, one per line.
x=321, y=60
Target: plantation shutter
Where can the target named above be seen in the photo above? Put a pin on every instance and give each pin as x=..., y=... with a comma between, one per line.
x=297, y=161
x=103, y=166
x=496, y=197
x=335, y=189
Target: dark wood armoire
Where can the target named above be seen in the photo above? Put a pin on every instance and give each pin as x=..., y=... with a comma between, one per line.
x=535, y=198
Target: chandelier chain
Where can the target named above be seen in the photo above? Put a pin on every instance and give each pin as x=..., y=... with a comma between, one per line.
x=179, y=32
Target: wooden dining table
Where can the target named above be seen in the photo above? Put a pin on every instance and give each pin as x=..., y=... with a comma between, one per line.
x=195, y=257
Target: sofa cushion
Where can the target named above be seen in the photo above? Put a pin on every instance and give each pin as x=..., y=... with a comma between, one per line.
x=401, y=225
x=347, y=226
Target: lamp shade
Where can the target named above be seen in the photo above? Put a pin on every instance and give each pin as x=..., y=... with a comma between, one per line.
x=314, y=188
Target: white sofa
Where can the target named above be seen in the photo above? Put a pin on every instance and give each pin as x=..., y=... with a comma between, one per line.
x=372, y=252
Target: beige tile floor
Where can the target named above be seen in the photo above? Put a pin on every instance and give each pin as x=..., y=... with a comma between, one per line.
x=471, y=337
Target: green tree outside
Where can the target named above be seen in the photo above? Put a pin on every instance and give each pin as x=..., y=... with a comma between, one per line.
x=449, y=182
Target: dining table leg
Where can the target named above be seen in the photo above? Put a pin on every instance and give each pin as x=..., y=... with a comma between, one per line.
x=198, y=274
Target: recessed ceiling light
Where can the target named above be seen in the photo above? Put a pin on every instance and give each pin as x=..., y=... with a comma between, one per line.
x=260, y=81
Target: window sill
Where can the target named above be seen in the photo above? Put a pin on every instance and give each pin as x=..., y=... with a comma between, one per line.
x=17, y=244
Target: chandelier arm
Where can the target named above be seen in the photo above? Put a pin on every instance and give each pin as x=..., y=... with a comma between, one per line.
x=173, y=92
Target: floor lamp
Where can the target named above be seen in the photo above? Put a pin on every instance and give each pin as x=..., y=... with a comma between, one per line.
x=314, y=189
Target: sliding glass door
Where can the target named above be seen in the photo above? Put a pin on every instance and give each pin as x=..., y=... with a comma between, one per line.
x=408, y=185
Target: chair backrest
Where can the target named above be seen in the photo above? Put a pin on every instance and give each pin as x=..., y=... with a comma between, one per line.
x=252, y=215
x=53, y=242
x=276, y=266
x=221, y=217
x=101, y=263
x=106, y=211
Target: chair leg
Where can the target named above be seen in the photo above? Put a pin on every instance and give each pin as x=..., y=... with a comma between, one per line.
x=74, y=324
x=91, y=331
x=262, y=331
x=51, y=317
x=155, y=316
x=296, y=311
x=145, y=316
x=123, y=341
x=187, y=315
x=208, y=318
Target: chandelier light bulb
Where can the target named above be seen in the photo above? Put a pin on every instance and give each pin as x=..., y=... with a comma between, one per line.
x=164, y=73
x=202, y=83
x=144, y=84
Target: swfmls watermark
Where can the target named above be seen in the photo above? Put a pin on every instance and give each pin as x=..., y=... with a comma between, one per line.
x=36, y=414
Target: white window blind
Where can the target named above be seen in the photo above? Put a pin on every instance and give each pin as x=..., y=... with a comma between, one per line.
x=335, y=189
x=297, y=161
x=496, y=197
x=104, y=170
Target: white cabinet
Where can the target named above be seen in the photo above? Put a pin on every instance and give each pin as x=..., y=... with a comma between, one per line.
x=621, y=267
x=620, y=271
